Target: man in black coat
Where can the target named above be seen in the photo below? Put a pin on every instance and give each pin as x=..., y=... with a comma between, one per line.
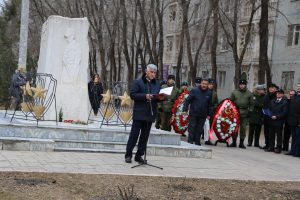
x=200, y=104
x=279, y=110
x=287, y=128
x=144, y=92
x=272, y=89
x=294, y=122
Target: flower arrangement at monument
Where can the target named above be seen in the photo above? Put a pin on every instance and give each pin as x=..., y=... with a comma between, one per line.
x=180, y=120
x=75, y=122
x=226, y=120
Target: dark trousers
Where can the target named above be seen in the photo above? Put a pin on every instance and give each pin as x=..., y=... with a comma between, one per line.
x=139, y=129
x=286, y=137
x=254, y=130
x=266, y=132
x=295, y=148
x=195, y=129
x=165, y=121
x=275, y=132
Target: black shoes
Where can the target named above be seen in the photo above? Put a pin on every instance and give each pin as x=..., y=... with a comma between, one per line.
x=269, y=150
x=233, y=144
x=241, y=145
x=208, y=143
x=289, y=154
x=139, y=160
x=249, y=145
x=277, y=151
x=264, y=147
x=128, y=159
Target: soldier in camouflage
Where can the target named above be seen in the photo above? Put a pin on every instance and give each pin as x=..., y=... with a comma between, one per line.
x=166, y=106
x=256, y=116
x=243, y=100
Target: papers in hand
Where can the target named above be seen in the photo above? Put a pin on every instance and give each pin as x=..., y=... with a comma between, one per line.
x=166, y=91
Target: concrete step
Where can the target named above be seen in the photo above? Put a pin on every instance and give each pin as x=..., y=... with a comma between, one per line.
x=183, y=150
x=82, y=133
x=90, y=144
x=26, y=144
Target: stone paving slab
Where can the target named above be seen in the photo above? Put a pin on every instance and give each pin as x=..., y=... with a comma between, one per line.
x=227, y=163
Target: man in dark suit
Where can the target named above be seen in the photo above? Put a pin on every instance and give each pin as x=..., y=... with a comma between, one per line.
x=287, y=128
x=272, y=88
x=294, y=122
x=144, y=93
x=200, y=104
x=279, y=110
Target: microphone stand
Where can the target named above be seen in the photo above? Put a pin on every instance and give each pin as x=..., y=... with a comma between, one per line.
x=145, y=155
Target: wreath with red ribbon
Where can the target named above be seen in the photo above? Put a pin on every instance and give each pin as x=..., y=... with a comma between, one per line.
x=180, y=121
x=226, y=120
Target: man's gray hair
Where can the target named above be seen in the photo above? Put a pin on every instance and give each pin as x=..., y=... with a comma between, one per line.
x=152, y=67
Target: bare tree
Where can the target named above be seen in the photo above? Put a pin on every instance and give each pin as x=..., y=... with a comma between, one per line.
x=215, y=6
x=264, y=67
x=231, y=28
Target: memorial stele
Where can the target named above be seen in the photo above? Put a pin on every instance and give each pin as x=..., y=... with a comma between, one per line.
x=64, y=53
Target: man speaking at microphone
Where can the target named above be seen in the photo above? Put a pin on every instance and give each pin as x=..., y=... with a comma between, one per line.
x=144, y=92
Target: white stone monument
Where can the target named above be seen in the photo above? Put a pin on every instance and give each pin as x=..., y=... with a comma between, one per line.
x=64, y=53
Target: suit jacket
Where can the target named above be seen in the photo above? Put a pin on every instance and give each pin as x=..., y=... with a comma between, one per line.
x=280, y=110
x=144, y=109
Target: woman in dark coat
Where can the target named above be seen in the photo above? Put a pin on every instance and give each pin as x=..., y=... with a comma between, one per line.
x=95, y=90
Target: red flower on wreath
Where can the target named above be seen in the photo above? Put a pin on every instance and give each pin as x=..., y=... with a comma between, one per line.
x=180, y=120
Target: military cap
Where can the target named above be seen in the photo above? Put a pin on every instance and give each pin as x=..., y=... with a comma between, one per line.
x=211, y=81
x=280, y=91
x=184, y=83
x=198, y=80
x=260, y=87
x=273, y=85
x=242, y=82
x=171, y=77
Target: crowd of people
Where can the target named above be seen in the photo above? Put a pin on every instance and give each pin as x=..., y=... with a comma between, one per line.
x=279, y=115
x=270, y=108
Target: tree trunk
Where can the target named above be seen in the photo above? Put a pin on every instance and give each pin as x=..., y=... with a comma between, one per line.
x=215, y=38
x=125, y=45
x=145, y=31
x=159, y=13
x=263, y=44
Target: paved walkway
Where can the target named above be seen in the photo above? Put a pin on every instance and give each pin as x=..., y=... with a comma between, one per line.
x=227, y=163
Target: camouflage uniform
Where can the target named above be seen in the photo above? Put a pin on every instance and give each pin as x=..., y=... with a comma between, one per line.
x=166, y=108
x=243, y=99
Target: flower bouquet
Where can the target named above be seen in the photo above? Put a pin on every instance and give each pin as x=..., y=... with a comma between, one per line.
x=75, y=122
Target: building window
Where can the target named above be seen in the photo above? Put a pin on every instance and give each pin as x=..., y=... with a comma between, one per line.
x=224, y=43
x=174, y=70
x=227, y=4
x=196, y=11
x=172, y=13
x=247, y=8
x=169, y=43
x=293, y=35
x=287, y=80
x=221, y=79
x=207, y=44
